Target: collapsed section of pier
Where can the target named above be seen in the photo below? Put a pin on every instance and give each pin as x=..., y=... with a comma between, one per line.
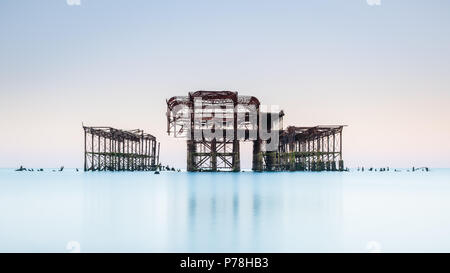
x=214, y=123
x=317, y=148
x=110, y=149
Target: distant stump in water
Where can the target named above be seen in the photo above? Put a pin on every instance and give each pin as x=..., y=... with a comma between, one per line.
x=21, y=169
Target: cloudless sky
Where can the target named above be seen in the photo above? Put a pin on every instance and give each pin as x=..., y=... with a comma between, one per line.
x=383, y=70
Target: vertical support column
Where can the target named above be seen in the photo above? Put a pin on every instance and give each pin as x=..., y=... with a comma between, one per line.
x=303, y=150
x=135, y=158
x=122, y=155
x=236, y=158
x=341, y=162
x=333, y=163
x=321, y=163
x=112, y=156
x=153, y=153
x=318, y=153
x=322, y=158
x=213, y=144
x=85, y=152
x=136, y=155
x=291, y=150
x=340, y=145
x=314, y=155
x=110, y=167
x=104, y=154
x=190, y=155
x=236, y=152
x=92, y=152
x=157, y=157
x=149, y=154
x=141, y=153
x=128, y=154
x=133, y=155
x=115, y=155
x=309, y=154
x=257, y=156
x=119, y=165
x=328, y=166
x=139, y=149
x=98, y=155
x=214, y=154
x=145, y=155
x=191, y=141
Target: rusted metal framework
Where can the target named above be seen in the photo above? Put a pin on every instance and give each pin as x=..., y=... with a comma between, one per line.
x=317, y=148
x=214, y=122
x=110, y=149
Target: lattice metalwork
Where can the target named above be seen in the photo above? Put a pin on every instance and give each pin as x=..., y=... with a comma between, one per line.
x=110, y=149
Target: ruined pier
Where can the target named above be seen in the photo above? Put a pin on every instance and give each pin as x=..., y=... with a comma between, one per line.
x=215, y=122
x=110, y=149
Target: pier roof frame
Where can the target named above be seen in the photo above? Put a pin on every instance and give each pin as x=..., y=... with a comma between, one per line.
x=312, y=132
x=212, y=96
x=118, y=134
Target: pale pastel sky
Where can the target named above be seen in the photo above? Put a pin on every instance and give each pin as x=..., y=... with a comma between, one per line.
x=383, y=70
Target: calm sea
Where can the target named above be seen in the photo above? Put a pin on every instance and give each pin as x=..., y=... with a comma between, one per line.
x=225, y=212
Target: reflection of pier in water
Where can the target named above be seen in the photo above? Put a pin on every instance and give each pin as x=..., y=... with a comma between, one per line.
x=185, y=212
x=253, y=214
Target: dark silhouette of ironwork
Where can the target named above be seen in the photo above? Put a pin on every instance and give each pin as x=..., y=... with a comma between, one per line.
x=214, y=122
x=110, y=149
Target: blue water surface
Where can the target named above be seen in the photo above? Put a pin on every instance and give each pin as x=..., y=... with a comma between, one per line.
x=225, y=212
